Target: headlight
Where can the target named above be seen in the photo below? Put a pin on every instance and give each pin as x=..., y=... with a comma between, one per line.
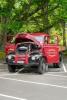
x=35, y=57
x=9, y=56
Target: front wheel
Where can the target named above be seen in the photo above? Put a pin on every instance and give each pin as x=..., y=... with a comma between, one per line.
x=11, y=68
x=43, y=67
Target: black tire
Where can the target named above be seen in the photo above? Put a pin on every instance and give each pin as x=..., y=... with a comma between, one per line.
x=59, y=65
x=11, y=68
x=43, y=67
x=55, y=65
x=60, y=61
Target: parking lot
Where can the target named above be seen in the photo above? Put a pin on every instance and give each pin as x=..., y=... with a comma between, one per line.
x=31, y=86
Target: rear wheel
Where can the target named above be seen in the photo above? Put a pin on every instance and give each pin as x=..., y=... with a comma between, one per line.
x=59, y=65
x=11, y=68
x=60, y=61
x=43, y=67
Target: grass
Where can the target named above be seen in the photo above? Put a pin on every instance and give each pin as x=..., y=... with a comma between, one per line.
x=2, y=55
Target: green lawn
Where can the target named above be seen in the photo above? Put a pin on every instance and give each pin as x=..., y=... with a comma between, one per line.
x=2, y=55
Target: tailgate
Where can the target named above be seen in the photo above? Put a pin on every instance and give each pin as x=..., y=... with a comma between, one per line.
x=51, y=53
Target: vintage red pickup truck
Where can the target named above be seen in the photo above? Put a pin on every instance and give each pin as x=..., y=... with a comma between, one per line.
x=27, y=50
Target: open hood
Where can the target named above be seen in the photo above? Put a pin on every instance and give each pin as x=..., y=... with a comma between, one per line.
x=26, y=38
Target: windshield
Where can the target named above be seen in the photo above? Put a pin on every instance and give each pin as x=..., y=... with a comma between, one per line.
x=39, y=38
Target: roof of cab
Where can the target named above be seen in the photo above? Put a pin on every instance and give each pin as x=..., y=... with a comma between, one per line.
x=39, y=34
x=33, y=34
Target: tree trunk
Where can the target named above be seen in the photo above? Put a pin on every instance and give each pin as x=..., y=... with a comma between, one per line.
x=3, y=31
x=45, y=16
x=64, y=35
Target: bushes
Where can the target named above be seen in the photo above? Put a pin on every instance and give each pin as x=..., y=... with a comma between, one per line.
x=2, y=55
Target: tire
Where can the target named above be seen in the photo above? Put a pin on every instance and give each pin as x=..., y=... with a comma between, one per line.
x=11, y=68
x=59, y=65
x=43, y=67
x=60, y=61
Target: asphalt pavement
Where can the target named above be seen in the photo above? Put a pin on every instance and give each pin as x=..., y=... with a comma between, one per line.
x=52, y=85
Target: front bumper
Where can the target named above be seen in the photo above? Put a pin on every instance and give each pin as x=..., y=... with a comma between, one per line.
x=18, y=65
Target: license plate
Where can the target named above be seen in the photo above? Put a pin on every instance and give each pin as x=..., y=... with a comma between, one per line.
x=20, y=62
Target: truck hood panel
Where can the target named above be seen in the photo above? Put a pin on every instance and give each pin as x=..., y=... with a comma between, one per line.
x=27, y=38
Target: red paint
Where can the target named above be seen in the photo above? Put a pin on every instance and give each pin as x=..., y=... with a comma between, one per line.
x=49, y=51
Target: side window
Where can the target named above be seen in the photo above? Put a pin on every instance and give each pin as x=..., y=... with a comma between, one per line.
x=46, y=40
x=13, y=40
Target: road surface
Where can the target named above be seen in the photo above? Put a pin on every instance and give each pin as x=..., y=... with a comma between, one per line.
x=31, y=86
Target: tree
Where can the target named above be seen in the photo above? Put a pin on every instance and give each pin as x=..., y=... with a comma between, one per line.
x=31, y=15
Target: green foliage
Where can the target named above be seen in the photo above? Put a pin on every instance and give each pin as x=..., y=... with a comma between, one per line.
x=31, y=15
x=2, y=55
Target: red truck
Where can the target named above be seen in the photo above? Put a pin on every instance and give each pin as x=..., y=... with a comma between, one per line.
x=27, y=50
